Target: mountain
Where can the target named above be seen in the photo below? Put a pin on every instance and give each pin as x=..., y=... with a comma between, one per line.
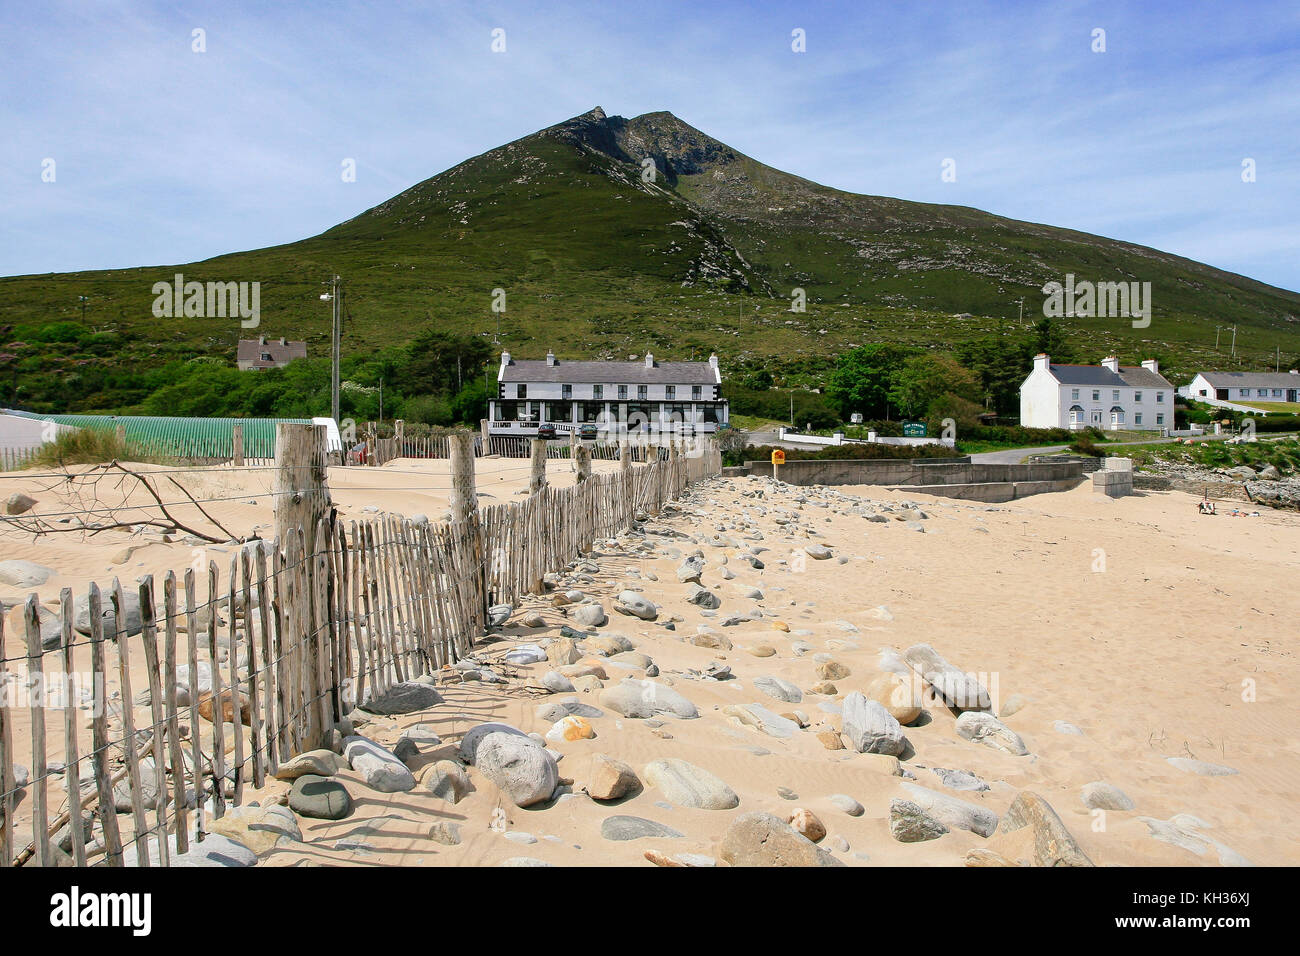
x=594, y=260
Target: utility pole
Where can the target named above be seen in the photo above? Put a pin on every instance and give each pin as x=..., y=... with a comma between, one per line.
x=1216, y=337
x=335, y=298
x=336, y=346
x=84, y=300
x=381, y=398
x=1234, y=341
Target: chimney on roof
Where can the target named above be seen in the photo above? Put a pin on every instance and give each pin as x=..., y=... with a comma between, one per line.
x=713, y=360
x=1110, y=362
x=282, y=342
x=1041, y=360
x=649, y=360
x=1152, y=365
x=261, y=340
x=550, y=357
x=505, y=358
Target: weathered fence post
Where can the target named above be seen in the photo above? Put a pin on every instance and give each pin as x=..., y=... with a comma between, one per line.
x=464, y=512
x=537, y=477
x=6, y=764
x=302, y=496
x=463, y=499
x=237, y=444
x=582, y=461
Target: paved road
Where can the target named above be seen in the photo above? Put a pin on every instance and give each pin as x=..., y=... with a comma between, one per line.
x=1013, y=456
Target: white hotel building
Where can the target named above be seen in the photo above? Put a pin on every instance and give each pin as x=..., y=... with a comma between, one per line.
x=642, y=396
x=1106, y=396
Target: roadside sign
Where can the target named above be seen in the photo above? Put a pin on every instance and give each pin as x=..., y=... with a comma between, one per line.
x=913, y=429
x=778, y=456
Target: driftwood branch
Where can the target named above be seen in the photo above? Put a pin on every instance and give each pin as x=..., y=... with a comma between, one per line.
x=74, y=483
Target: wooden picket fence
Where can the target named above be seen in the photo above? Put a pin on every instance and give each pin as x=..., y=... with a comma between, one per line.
x=379, y=451
x=313, y=626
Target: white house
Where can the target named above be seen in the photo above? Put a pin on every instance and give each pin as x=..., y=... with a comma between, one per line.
x=1232, y=387
x=1107, y=396
x=641, y=396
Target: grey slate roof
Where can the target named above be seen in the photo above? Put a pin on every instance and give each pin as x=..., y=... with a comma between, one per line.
x=1099, y=376
x=595, y=373
x=1252, y=379
x=251, y=350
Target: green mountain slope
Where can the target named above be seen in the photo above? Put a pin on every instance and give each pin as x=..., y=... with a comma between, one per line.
x=595, y=261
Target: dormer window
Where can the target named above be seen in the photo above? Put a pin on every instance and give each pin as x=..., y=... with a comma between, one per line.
x=598, y=392
x=521, y=391
x=622, y=393
x=670, y=392
x=642, y=392
x=566, y=391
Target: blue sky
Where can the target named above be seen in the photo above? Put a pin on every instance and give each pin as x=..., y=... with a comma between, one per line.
x=164, y=155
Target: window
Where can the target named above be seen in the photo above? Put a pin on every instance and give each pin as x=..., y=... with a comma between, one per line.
x=642, y=392
x=697, y=392
x=670, y=392
x=598, y=392
x=1116, y=415
x=521, y=391
x=1160, y=397
x=1137, y=396
x=1160, y=418
x=1096, y=395
x=1076, y=414
x=1114, y=395
x=1277, y=393
x=1137, y=419
x=566, y=391
x=266, y=356
x=622, y=393
x=1074, y=394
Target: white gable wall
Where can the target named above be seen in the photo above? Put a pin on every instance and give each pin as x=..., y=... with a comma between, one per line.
x=1040, y=400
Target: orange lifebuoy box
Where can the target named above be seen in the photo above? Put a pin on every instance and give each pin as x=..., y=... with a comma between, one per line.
x=778, y=457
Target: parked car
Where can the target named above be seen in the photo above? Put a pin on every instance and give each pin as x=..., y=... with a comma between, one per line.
x=546, y=430
x=587, y=432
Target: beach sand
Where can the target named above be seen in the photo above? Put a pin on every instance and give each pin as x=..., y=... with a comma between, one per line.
x=1120, y=632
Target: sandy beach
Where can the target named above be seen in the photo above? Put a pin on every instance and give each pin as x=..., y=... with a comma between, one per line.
x=1111, y=634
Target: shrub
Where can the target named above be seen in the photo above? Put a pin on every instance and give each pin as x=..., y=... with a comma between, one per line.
x=87, y=446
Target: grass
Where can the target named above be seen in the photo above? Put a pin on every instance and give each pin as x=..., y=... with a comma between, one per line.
x=87, y=446
x=595, y=265
x=755, y=423
x=1283, y=454
x=1286, y=408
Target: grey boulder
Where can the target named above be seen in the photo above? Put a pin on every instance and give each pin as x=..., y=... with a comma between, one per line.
x=870, y=728
x=380, y=768
x=518, y=766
